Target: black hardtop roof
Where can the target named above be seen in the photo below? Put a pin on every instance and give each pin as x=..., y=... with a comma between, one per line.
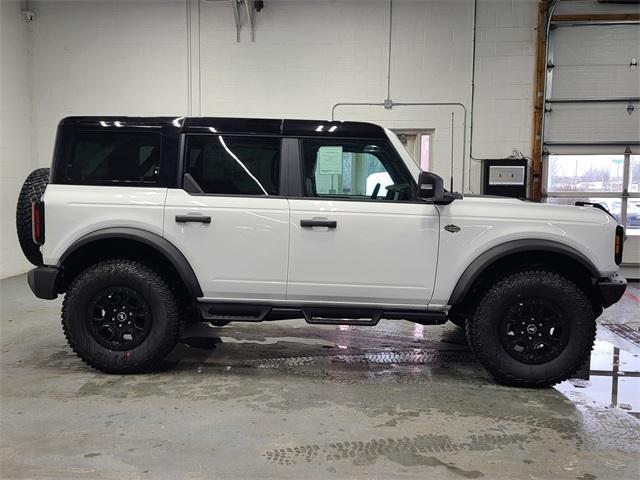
x=227, y=125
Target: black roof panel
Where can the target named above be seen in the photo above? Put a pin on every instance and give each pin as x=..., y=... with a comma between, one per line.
x=229, y=125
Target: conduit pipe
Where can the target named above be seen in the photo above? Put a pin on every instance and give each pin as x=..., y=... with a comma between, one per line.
x=388, y=104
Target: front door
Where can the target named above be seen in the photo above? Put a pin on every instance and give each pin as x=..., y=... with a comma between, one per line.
x=359, y=236
x=231, y=225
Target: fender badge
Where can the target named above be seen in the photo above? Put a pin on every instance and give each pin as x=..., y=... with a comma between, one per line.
x=452, y=228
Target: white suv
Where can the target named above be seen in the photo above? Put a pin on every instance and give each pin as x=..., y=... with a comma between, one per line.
x=147, y=223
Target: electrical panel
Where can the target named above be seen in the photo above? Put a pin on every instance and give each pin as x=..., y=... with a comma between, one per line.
x=505, y=178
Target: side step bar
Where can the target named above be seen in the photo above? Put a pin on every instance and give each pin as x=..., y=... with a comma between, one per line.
x=341, y=316
x=234, y=312
x=242, y=312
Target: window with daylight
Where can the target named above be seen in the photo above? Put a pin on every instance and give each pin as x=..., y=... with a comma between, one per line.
x=610, y=180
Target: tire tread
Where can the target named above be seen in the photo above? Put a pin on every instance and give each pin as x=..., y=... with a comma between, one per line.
x=499, y=290
x=156, y=282
x=31, y=191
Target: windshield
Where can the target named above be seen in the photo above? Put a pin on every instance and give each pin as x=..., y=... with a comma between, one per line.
x=409, y=161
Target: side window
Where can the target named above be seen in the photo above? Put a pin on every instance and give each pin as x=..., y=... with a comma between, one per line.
x=102, y=157
x=234, y=165
x=356, y=169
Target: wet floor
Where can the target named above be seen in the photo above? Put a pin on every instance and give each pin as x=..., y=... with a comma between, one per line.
x=287, y=400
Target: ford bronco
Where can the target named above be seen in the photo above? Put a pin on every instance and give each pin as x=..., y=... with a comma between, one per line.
x=147, y=223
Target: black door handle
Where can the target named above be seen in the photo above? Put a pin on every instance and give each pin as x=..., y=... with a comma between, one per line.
x=192, y=218
x=319, y=223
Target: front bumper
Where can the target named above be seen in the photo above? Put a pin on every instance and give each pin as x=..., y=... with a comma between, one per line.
x=42, y=281
x=611, y=289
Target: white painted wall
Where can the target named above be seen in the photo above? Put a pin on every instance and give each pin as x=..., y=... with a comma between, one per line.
x=15, y=131
x=131, y=58
x=310, y=55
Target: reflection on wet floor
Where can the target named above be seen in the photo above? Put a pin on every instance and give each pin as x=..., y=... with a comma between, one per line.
x=614, y=379
x=289, y=400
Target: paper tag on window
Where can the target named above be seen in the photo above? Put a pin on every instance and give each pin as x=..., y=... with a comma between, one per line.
x=329, y=161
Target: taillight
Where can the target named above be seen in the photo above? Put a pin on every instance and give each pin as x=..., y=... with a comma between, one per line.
x=37, y=222
x=619, y=244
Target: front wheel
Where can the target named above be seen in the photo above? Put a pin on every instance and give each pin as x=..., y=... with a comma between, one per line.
x=532, y=329
x=119, y=316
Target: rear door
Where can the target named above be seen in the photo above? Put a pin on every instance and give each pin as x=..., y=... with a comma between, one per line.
x=358, y=235
x=228, y=219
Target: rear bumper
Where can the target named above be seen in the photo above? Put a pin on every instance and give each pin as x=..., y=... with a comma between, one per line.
x=611, y=289
x=42, y=281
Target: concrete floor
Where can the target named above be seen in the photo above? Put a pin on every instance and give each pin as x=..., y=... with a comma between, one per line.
x=286, y=400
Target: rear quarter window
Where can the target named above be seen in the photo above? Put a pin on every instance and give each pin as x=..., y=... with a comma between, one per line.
x=113, y=158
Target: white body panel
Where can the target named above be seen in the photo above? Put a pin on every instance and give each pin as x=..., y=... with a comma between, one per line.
x=386, y=254
x=487, y=222
x=73, y=211
x=242, y=253
x=380, y=253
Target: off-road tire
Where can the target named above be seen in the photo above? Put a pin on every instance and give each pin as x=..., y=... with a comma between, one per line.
x=484, y=338
x=165, y=319
x=31, y=191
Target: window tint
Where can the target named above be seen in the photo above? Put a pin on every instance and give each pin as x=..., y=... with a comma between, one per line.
x=114, y=157
x=357, y=169
x=234, y=165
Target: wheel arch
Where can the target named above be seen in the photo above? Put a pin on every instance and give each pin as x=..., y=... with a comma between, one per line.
x=527, y=251
x=128, y=242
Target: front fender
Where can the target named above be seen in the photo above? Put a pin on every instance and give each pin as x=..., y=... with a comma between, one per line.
x=485, y=259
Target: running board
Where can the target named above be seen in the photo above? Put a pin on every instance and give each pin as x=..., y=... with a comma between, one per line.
x=341, y=316
x=243, y=312
x=233, y=312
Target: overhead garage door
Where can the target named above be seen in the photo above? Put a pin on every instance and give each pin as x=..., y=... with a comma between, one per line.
x=593, y=87
x=592, y=120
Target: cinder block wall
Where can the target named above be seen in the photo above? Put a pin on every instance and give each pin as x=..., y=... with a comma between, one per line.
x=139, y=57
x=15, y=130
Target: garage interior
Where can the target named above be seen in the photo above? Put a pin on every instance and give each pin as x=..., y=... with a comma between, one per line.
x=549, y=88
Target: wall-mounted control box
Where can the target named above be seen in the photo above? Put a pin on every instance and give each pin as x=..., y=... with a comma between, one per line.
x=505, y=178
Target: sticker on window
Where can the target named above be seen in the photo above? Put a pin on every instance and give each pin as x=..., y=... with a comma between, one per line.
x=329, y=161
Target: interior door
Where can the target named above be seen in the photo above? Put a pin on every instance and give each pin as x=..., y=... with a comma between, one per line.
x=231, y=225
x=359, y=238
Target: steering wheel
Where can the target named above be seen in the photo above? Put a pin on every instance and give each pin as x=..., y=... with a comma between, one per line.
x=376, y=189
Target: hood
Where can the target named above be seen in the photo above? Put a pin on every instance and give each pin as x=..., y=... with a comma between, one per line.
x=504, y=207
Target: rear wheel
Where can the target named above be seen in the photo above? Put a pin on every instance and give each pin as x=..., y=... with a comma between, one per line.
x=31, y=191
x=119, y=316
x=532, y=329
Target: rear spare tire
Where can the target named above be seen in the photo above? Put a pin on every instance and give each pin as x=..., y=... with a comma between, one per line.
x=32, y=190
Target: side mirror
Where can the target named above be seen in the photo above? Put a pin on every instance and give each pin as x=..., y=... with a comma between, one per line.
x=430, y=186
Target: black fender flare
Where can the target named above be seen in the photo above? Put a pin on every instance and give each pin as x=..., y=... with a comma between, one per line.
x=487, y=258
x=153, y=240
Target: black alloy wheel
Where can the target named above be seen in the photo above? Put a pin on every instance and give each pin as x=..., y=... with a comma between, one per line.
x=119, y=318
x=534, y=330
